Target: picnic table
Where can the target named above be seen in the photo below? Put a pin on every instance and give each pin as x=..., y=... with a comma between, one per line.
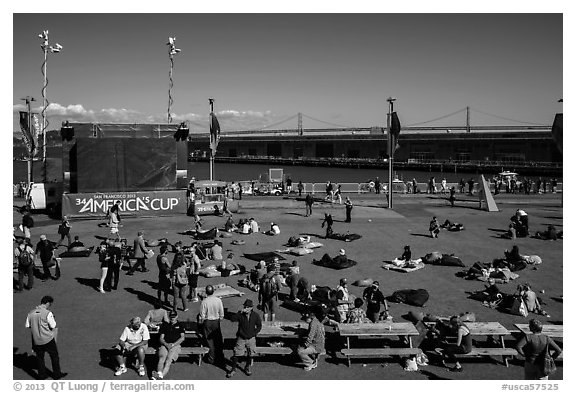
x=378, y=330
x=191, y=331
x=283, y=330
x=552, y=331
x=490, y=329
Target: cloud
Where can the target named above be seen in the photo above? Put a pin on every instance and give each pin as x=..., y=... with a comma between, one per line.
x=230, y=119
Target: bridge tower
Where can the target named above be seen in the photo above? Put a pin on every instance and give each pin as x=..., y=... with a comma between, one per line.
x=300, y=132
x=467, y=119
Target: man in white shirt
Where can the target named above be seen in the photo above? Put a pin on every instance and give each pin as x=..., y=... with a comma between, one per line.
x=133, y=341
x=254, y=228
x=211, y=313
x=217, y=251
x=42, y=324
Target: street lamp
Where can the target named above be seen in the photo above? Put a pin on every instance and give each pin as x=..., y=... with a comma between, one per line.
x=46, y=48
x=172, y=51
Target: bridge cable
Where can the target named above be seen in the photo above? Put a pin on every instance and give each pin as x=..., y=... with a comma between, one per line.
x=438, y=118
x=505, y=118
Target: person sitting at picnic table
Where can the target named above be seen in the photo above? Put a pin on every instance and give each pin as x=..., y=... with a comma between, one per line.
x=340, y=259
x=156, y=316
x=229, y=226
x=328, y=221
x=274, y=230
x=357, y=314
x=532, y=348
x=171, y=338
x=463, y=344
x=76, y=244
x=133, y=342
x=217, y=211
x=551, y=233
x=434, y=228
x=315, y=340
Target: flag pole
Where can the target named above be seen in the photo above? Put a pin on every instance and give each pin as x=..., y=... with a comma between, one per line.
x=390, y=149
x=211, y=101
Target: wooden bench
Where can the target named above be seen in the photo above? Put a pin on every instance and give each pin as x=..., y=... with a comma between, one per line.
x=379, y=352
x=261, y=351
x=185, y=351
x=490, y=352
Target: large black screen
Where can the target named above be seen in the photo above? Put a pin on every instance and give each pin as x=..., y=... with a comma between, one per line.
x=125, y=164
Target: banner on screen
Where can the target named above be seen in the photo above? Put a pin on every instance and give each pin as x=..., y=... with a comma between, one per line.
x=133, y=204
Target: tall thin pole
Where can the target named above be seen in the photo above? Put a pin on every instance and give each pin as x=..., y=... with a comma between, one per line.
x=172, y=50
x=211, y=101
x=30, y=177
x=390, y=150
x=467, y=119
x=44, y=121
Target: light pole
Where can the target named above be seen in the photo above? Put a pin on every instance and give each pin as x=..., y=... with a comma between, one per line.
x=46, y=47
x=172, y=51
x=390, y=148
x=32, y=146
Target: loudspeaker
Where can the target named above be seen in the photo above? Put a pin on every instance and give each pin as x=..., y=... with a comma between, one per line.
x=182, y=133
x=67, y=133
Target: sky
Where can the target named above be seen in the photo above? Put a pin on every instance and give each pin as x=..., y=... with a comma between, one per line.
x=261, y=69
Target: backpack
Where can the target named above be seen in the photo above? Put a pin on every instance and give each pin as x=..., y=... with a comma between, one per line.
x=269, y=287
x=181, y=276
x=25, y=259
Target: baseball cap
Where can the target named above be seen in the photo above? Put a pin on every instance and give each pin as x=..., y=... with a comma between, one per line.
x=42, y=237
x=376, y=283
x=248, y=303
x=173, y=314
x=342, y=252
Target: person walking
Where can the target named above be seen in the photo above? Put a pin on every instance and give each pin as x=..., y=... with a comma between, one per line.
x=179, y=276
x=211, y=314
x=377, y=185
x=104, y=266
x=452, y=197
x=171, y=338
x=27, y=223
x=349, y=206
x=268, y=293
x=140, y=251
x=300, y=188
x=194, y=267
x=328, y=221
x=249, y=325
x=534, y=347
x=24, y=254
x=309, y=202
x=64, y=232
x=374, y=298
x=338, y=194
x=44, y=330
x=45, y=249
x=164, y=270
x=314, y=342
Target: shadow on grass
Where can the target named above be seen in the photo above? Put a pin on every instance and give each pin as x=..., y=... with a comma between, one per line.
x=431, y=376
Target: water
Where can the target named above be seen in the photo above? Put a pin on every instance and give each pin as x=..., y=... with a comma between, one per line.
x=236, y=172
